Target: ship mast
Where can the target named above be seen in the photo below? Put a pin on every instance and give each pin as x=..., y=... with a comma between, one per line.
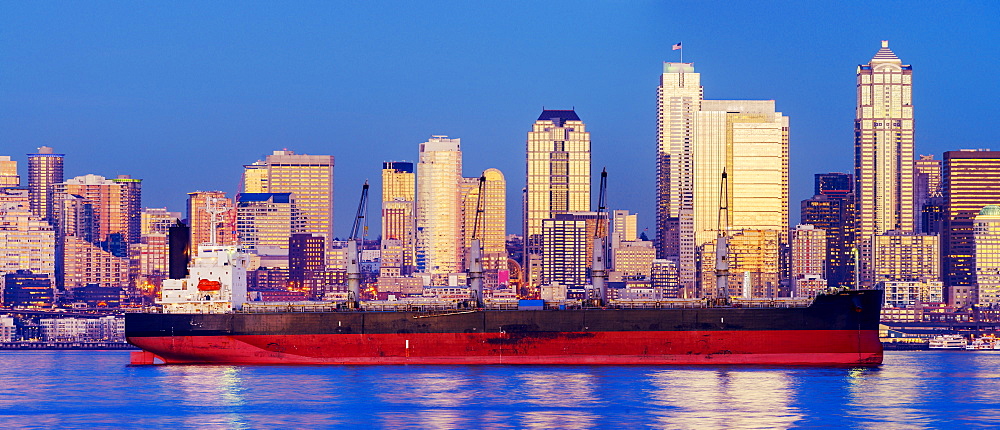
x=475, y=262
x=213, y=208
x=598, y=273
x=353, y=269
x=722, y=242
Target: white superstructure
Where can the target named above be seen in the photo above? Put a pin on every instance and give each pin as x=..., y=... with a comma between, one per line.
x=217, y=283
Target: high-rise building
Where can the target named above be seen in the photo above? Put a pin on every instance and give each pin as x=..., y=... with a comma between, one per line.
x=439, y=207
x=883, y=152
x=492, y=227
x=558, y=172
x=265, y=221
x=132, y=204
x=833, y=210
x=752, y=269
x=207, y=210
x=567, y=250
x=399, y=196
x=971, y=181
x=663, y=278
x=306, y=262
x=8, y=172
x=26, y=242
x=906, y=257
x=95, y=219
x=748, y=140
x=154, y=248
x=926, y=193
x=808, y=260
x=678, y=97
x=45, y=170
x=308, y=177
x=987, y=238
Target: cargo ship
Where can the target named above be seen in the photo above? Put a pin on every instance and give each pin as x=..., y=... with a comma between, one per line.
x=207, y=318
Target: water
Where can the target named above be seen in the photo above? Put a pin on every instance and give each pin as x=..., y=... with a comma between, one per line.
x=914, y=389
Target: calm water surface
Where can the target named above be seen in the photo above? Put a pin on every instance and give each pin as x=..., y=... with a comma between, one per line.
x=914, y=389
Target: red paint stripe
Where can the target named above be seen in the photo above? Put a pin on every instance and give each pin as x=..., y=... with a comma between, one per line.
x=799, y=347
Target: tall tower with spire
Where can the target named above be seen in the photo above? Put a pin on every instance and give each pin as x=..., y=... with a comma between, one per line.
x=883, y=151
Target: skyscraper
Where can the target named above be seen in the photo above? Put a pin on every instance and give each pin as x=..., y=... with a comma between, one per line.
x=832, y=209
x=748, y=140
x=926, y=193
x=308, y=177
x=492, y=218
x=558, y=171
x=398, y=204
x=678, y=97
x=45, y=169
x=808, y=257
x=439, y=207
x=8, y=172
x=971, y=181
x=883, y=151
x=27, y=242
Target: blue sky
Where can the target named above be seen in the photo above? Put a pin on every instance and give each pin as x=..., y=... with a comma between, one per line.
x=183, y=94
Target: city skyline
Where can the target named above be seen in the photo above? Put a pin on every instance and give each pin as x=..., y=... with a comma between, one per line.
x=104, y=101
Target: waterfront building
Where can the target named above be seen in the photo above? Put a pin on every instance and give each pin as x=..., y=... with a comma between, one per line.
x=906, y=257
x=265, y=221
x=911, y=294
x=558, y=173
x=8, y=172
x=986, y=230
x=307, y=263
x=27, y=290
x=154, y=248
x=678, y=98
x=26, y=241
x=398, y=219
x=439, y=207
x=971, y=181
x=45, y=170
x=808, y=260
x=883, y=145
x=200, y=208
x=309, y=178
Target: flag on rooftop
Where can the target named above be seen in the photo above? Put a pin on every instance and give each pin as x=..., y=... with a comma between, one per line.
x=676, y=46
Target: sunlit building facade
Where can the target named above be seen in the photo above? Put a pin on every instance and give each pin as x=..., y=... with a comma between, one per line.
x=987, y=238
x=399, y=195
x=492, y=227
x=26, y=241
x=883, y=148
x=808, y=260
x=753, y=272
x=45, y=170
x=439, y=207
x=970, y=182
x=558, y=171
x=308, y=177
x=906, y=257
x=749, y=141
x=8, y=172
x=678, y=97
x=266, y=221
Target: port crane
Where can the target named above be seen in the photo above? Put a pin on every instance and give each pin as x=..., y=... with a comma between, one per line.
x=475, y=257
x=353, y=269
x=598, y=271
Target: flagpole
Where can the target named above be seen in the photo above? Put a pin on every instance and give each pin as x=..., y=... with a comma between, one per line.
x=682, y=51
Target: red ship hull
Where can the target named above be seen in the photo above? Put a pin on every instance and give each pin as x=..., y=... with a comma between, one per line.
x=783, y=347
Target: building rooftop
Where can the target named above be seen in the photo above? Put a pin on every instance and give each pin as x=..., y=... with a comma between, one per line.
x=559, y=117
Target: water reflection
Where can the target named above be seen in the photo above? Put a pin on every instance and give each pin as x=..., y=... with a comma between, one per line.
x=723, y=399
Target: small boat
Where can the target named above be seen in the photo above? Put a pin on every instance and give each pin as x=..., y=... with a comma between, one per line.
x=948, y=341
x=985, y=343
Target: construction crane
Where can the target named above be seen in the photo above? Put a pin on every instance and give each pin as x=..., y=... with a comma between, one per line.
x=598, y=272
x=353, y=268
x=475, y=260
